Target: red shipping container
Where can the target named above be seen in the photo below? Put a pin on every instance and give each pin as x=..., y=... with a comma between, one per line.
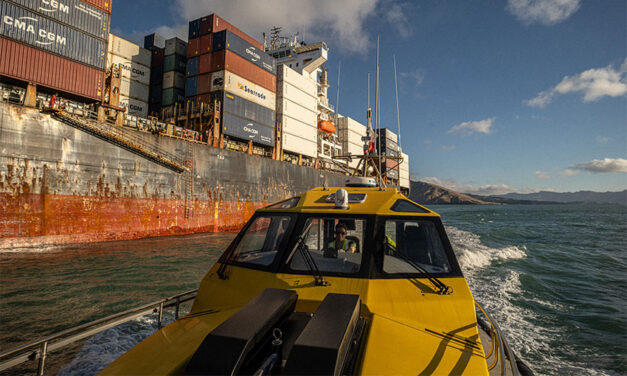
x=204, y=83
x=214, y=23
x=230, y=61
x=193, y=47
x=54, y=72
x=104, y=5
x=200, y=99
x=157, y=58
x=204, y=65
x=205, y=43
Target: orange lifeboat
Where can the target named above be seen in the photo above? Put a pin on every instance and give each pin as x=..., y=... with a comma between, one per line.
x=326, y=126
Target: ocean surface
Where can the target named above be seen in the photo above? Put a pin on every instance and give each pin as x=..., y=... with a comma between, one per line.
x=553, y=276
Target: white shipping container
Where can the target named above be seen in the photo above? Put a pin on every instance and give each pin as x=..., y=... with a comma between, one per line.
x=173, y=79
x=129, y=51
x=130, y=69
x=134, y=89
x=297, y=128
x=296, y=111
x=403, y=182
x=405, y=164
x=134, y=107
x=347, y=136
x=297, y=145
x=294, y=94
x=244, y=88
x=175, y=46
x=303, y=82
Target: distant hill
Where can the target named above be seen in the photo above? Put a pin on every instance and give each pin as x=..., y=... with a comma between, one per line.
x=511, y=201
x=425, y=193
x=571, y=197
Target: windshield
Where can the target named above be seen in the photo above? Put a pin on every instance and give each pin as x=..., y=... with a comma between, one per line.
x=335, y=244
x=260, y=243
x=418, y=241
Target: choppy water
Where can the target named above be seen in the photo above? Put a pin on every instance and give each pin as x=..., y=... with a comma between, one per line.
x=553, y=276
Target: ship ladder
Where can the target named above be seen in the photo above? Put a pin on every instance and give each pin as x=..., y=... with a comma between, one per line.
x=189, y=181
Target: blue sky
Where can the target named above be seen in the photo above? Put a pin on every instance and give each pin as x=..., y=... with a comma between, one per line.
x=495, y=96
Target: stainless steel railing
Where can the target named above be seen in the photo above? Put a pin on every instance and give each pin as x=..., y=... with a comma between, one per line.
x=38, y=350
x=498, y=345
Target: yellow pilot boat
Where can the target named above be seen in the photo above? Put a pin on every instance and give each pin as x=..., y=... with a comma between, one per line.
x=347, y=280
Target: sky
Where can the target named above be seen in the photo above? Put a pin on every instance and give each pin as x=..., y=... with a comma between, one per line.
x=493, y=96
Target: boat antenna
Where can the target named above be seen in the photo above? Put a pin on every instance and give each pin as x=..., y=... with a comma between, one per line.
x=398, y=119
x=376, y=115
x=337, y=101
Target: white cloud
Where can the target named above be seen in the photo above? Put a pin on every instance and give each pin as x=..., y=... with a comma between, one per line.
x=469, y=127
x=416, y=77
x=568, y=173
x=484, y=190
x=593, y=84
x=542, y=175
x=343, y=22
x=602, y=165
x=546, y=12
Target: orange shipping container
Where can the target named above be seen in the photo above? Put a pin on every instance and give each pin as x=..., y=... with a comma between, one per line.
x=214, y=24
x=227, y=60
x=32, y=65
x=204, y=83
x=101, y=4
x=205, y=43
x=193, y=47
x=204, y=65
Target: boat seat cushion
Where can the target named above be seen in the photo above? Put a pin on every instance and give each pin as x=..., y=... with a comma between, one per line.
x=224, y=350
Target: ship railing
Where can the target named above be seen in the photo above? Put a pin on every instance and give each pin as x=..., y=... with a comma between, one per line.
x=499, y=349
x=38, y=350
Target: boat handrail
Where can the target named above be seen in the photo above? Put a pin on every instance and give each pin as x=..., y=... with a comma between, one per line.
x=498, y=345
x=38, y=349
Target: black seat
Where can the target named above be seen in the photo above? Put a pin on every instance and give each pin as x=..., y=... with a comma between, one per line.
x=226, y=348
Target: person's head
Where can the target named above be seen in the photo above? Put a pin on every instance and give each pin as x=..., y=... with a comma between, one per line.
x=340, y=231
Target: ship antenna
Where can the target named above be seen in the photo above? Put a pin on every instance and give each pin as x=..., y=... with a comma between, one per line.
x=398, y=118
x=376, y=115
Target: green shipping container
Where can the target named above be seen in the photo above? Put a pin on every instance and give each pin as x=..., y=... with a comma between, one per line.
x=174, y=63
x=171, y=96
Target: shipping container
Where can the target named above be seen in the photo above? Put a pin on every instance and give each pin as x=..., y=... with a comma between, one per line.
x=192, y=66
x=134, y=89
x=155, y=94
x=391, y=173
x=292, y=126
x=175, y=46
x=174, y=63
x=156, y=75
x=173, y=79
x=236, y=105
x=403, y=182
x=303, y=82
x=171, y=96
x=206, y=43
x=130, y=69
x=199, y=100
x=298, y=112
x=128, y=50
x=204, y=83
x=298, y=145
x=228, y=40
x=154, y=41
x=158, y=55
x=193, y=47
x=191, y=86
x=232, y=83
x=247, y=130
x=388, y=134
x=287, y=90
x=100, y=4
x=227, y=60
x=32, y=65
x=73, y=13
x=204, y=63
x=214, y=24
x=134, y=107
x=42, y=33
x=194, y=29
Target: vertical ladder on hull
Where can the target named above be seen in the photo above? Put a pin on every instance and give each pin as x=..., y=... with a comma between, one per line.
x=189, y=181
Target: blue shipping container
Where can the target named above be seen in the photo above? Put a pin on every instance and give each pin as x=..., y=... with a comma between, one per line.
x=192, y=66
x=247, y=109
x=247, y=130
x=194, y=29
x=191, y=86
x=232, y=42
x=154, y=40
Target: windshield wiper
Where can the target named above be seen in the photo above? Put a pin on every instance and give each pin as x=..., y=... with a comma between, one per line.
x=311, y=263
x=442, y=288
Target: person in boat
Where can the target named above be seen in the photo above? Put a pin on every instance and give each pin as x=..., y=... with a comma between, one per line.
x=340, y=243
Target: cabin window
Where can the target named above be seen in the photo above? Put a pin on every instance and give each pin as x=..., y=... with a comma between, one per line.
x=408, y=241
x=335, y=245
x=260, y=244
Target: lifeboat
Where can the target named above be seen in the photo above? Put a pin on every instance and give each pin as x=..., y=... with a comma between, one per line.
x=326, y=126
x=353, y=280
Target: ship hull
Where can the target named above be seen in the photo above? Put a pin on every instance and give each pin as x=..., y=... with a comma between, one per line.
x=60, y=185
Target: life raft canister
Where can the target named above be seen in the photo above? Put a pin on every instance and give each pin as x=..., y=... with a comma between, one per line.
x=326, y=126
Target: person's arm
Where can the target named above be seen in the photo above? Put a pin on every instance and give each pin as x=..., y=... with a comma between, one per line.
x=352, y=247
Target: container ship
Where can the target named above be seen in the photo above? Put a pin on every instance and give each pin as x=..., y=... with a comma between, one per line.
x=102, y=139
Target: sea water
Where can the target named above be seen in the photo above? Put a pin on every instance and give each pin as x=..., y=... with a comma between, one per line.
x=552, y=276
